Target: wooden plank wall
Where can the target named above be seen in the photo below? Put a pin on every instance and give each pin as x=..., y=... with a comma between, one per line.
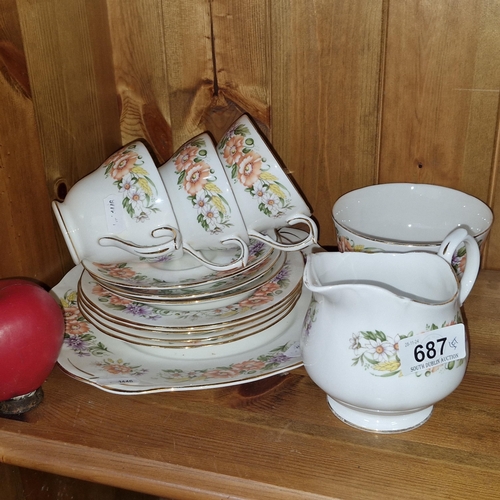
x=350, y=93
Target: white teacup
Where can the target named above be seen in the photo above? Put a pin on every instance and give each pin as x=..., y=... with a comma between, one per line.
x=207, y=212
x=266, y=196
x=403, y=217
x=120, y=212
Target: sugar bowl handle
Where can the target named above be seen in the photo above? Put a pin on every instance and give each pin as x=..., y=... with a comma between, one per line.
x=448, y=250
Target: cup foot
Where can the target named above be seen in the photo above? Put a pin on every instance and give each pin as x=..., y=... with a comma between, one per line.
x=379, y=421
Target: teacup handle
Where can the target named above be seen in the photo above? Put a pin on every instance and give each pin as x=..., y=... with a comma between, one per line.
x=310, y=239
x=150, y=251
x=447, y=250
x=241, y=261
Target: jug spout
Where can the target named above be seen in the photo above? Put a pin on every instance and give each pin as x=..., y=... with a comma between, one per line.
x=418, y=277
x=312, y=280
x=368, y=311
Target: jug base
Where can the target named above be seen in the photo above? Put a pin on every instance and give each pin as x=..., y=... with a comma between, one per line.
x=379, y=421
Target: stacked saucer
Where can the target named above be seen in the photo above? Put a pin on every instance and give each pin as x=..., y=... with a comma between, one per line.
x=225, y=309
x=180, y=310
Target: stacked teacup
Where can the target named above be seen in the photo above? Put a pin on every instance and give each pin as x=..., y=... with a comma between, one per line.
x=188, y=254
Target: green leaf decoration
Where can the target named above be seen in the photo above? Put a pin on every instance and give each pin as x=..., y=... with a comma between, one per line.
x=234, y=171
x=139, y=171
x=369, y=335
x=242, y=130
x=199, y=143
x=282, y=187
x=108, y=168
x=180, y=179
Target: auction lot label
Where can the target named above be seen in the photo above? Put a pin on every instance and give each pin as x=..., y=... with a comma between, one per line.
x=437, y=347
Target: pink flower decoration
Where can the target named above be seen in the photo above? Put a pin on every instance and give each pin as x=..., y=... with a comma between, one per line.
x=234, y=149
x=185, y=158
x=196, y=177
x=249, y=168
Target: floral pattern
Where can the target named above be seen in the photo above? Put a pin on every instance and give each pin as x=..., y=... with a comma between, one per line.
x=346, y=245
x=198, y=180
x=263, y=295
x=459, y=260
x=266, y=362
x=121, y=369
x=80, y=338
x=252, y=171
x=377, y=352
x=133, y=182
x=127, y=274
x=77, y=333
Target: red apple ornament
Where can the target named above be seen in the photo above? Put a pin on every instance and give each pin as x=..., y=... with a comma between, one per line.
x=31, y=336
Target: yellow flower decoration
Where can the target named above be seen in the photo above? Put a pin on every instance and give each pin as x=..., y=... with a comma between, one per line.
x=139, y=171
x=213, y=188
x=388, y=366
x=268, y=177
x=145, y=186
x=217, y=202
x=277, y=190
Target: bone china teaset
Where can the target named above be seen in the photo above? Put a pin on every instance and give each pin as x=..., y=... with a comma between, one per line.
x=190, y=276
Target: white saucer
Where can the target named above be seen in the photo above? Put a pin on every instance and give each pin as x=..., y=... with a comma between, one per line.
x=205, y=299
x=113, y=366
x=185, y=272
x=139, y=315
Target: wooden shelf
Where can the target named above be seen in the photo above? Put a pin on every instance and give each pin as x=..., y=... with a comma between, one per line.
x=271, y=439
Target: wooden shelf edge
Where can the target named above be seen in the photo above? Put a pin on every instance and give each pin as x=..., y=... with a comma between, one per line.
x=146, y=476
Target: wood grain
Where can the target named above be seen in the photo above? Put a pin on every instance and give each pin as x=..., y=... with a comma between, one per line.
x=350, y=94
x=10, y=479
x=190, y=68
x=241, y=49
x=441, y=95
x=271, y=439
x=28, y=235
x=70, y=75
x=69, y=59
x=139, y=47
x=325, y=97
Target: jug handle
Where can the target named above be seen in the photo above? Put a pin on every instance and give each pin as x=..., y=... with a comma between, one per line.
x=447, y=250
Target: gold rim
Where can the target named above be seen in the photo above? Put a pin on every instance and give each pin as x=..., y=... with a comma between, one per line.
x=252, y=285
x=202, y=281
x=222, y=339
x=193, y=329
x=171, y=388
